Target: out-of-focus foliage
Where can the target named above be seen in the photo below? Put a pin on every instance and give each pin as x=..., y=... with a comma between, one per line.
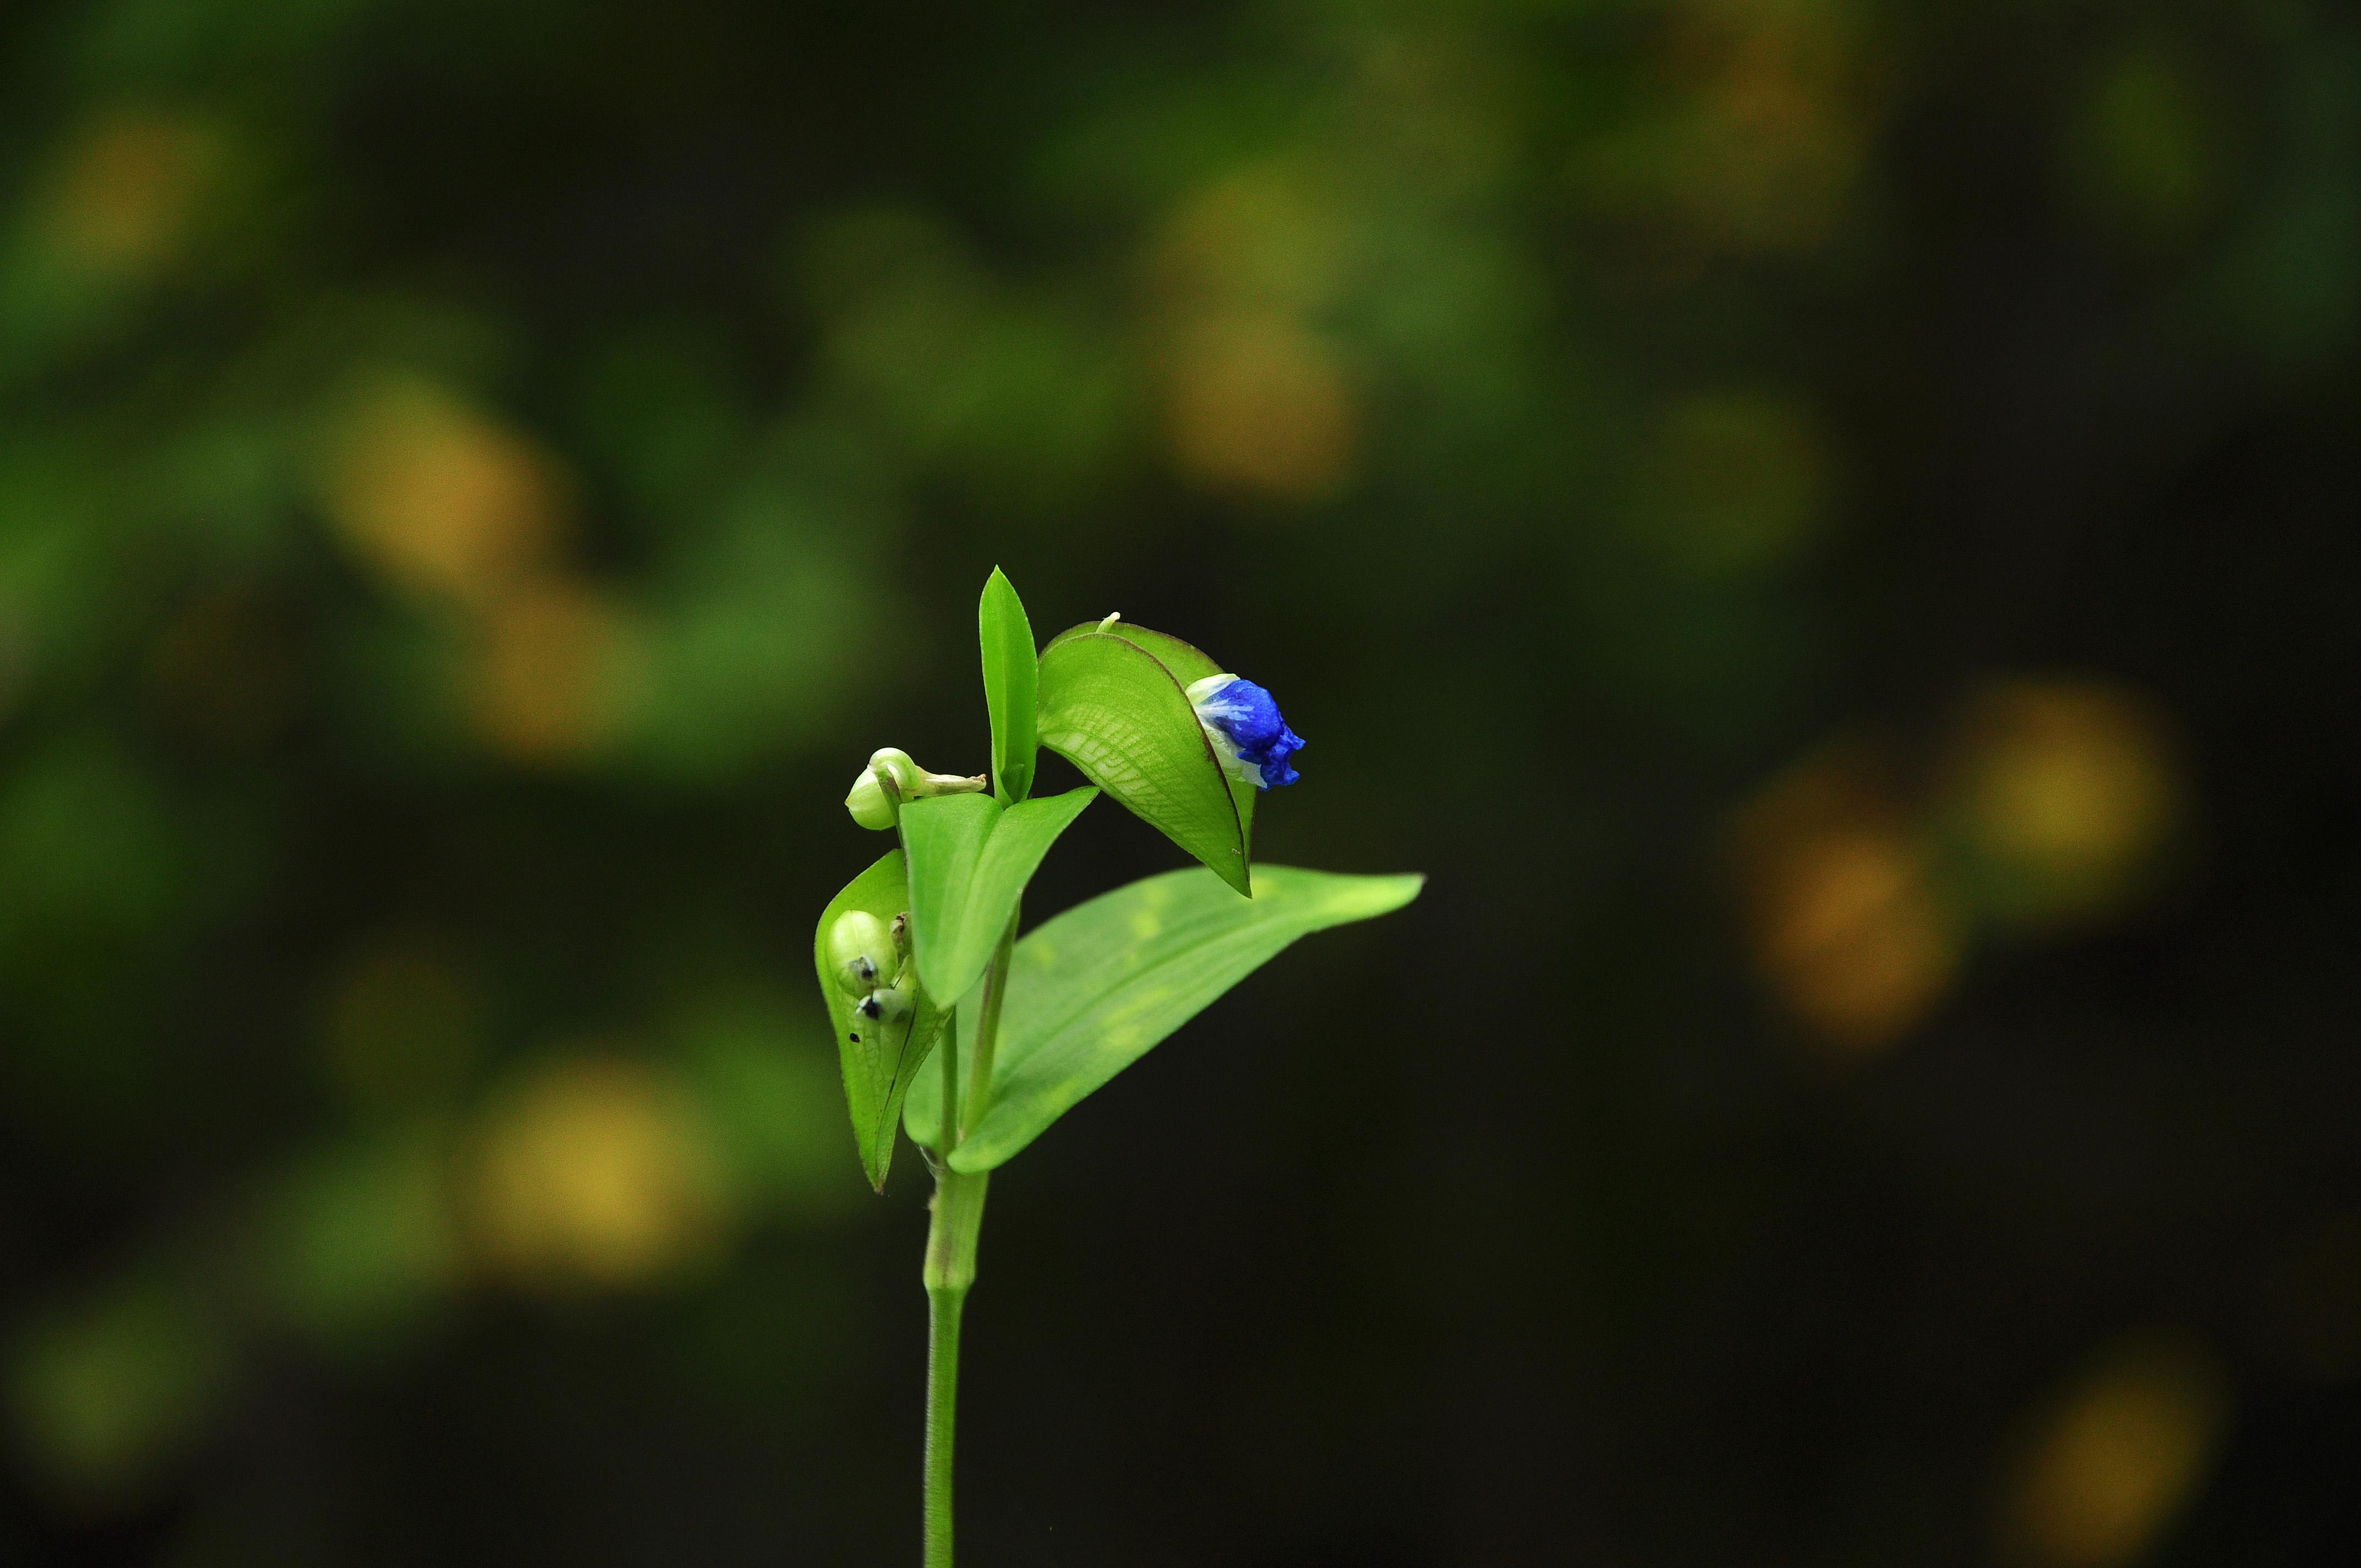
x=1825, y=524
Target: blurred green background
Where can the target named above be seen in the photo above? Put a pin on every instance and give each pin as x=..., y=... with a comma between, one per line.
x=1825, y=526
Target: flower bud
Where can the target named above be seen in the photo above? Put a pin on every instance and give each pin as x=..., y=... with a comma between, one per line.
x=1243, y=726
x=870, y=804
x=876, y=796
x=861, y=951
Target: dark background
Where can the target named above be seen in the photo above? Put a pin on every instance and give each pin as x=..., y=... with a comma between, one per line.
x=1826, y=527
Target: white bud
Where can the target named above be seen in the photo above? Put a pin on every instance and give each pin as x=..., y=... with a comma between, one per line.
x=861, y=952
x=889, y=1005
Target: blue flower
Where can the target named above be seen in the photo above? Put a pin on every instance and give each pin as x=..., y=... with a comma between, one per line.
x=1244, y=724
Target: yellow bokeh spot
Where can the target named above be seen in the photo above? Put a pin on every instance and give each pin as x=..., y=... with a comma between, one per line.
x=1846, y=925
x=595, y=1172
x=2119, y=1454
x=1259, y=240
x=438, y=496
x=1260, y=404
x=126, y=191
x=553, y=667
x=2064, y=789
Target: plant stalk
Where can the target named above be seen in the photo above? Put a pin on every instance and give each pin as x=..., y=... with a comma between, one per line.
x=957, y=1219
x=987, y=1027
x=951, y=1269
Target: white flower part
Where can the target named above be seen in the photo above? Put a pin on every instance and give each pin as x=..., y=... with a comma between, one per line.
x=1202, y=697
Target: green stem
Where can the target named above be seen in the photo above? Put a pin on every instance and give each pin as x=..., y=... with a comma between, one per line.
x=957, y=1219
x=951, y=1269
x=987, y=1029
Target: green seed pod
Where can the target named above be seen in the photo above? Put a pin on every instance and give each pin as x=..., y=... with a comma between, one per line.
x=861, y=951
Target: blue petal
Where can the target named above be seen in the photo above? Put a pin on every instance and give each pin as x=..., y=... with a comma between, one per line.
x=1246, y=716
x=1276, y=774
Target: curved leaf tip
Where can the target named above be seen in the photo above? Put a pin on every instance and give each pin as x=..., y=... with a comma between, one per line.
x=1113, y=709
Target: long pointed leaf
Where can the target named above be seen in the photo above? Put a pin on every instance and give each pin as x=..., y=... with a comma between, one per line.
x=879, y=1059
x=1011, y=676
x=970, y=859
x=1090, y=992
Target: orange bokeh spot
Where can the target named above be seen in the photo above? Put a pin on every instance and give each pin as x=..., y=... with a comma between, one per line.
x=550, y=673
x=1260, y=404
x=2118, y=1456
x=1846, y=925
x=438, y=496
x=124, y=194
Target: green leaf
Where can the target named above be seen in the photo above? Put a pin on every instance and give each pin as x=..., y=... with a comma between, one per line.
x=1091, y=991
x=970, y=859
x=1186, y=661
x=1011, y=674
x=1117, y=712
x=879, y=1058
